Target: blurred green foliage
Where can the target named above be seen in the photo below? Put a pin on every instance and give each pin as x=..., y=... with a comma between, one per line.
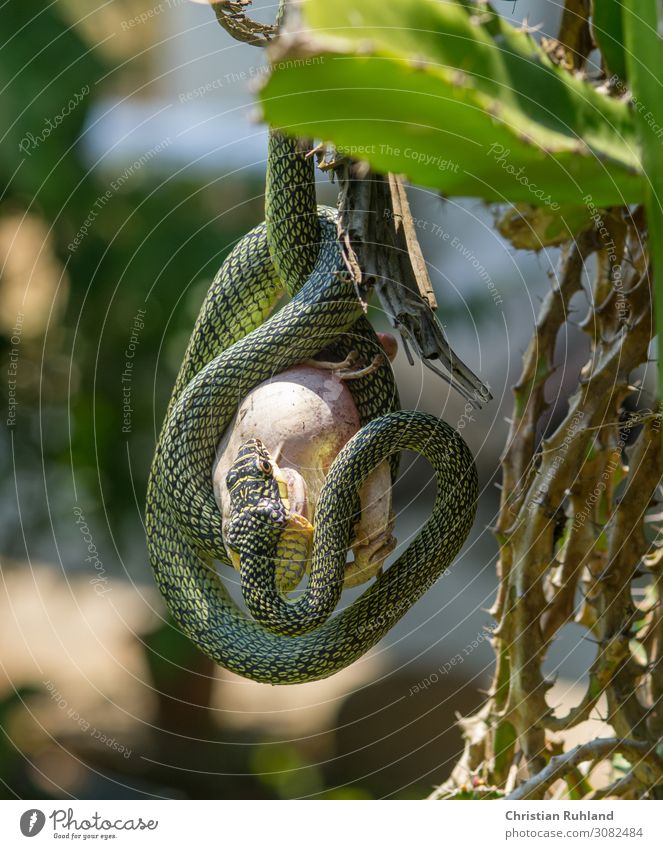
x=154, y=244
x=513, y=125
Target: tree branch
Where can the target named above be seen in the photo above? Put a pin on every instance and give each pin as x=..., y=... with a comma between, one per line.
x=561, y=765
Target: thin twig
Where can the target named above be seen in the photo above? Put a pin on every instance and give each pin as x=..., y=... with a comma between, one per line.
x=561, y=765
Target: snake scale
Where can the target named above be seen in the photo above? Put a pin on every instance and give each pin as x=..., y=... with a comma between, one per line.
x=238, y=342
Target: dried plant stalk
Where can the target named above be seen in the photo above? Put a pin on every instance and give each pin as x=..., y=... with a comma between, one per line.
x=572, y=521
x=381, y=249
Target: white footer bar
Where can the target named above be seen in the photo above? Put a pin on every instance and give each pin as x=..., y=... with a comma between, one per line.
x=330, y=824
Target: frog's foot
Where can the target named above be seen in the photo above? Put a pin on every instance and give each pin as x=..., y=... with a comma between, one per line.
x=351, y=368
x=351, y=359
x=356, y=373
x=369, y=555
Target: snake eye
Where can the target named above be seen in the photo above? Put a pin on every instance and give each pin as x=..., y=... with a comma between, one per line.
x=265, y=466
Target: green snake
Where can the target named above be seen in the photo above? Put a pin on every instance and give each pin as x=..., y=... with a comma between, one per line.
x=236, y=344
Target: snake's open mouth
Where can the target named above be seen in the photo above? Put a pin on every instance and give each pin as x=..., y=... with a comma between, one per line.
x=292, y=489
x=278, y=485
x=284, y=489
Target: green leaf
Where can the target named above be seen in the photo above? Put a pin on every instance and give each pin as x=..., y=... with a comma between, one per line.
x=608, y=32
x=638, y=652
x=479, y=793
x=644, y=51
x=620, y=764
x=577, y=784
x=455, y=99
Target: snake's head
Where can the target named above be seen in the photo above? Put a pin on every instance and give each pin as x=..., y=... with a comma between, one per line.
x=258, y=501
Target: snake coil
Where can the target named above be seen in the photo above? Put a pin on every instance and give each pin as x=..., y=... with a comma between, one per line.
x=236, y=344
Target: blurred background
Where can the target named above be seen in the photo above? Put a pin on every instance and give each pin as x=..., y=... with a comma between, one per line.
x=131, y=161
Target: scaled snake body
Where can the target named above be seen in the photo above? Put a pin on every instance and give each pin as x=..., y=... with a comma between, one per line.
x=236, y=344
